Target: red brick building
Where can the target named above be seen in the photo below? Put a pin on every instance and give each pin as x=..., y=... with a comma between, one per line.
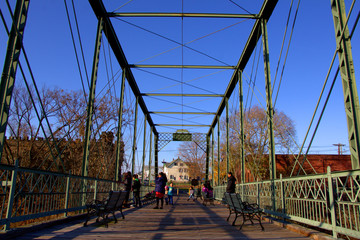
x=285, y=163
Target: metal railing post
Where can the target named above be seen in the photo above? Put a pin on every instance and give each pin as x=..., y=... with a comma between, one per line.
x=11, y=195
x=331, y=202
x=67, y=195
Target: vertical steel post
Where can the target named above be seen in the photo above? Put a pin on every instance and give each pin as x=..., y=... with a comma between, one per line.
x=90, y=106
x=11, y=196
x=150, y=155
x=134, y=137
x=346, y=65
x=156, y=142
x=207, y=157
x=227, y=136
x=331, y=202
x=212, y=157
x=67, y=195
x=10, y=65
x=95, y=189
x=218, y=148
x=269, y=111
x=242, y=135
x=118, y=134
x=144, y=154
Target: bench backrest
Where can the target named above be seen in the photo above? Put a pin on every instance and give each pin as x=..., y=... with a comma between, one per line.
x=238, y=205
x=113, y=199
x=121, y=200
x=228, y=200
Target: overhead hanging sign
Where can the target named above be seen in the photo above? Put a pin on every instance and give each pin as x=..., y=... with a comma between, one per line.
x=182, y=137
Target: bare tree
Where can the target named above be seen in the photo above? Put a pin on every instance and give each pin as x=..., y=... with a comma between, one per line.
x=194, y=157
x=256, y=140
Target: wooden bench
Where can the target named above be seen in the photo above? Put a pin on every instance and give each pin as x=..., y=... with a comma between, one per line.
x=102, y=209
x=247, y=211
x=206, y=199
x=149, y=197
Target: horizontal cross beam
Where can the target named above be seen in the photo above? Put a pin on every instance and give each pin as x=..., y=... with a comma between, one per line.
x=195, y=113
x=181, y=66
x=180, y=95
x=181, y=125
x=194, y=15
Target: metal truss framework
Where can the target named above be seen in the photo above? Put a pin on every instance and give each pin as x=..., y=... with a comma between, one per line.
x=198, y=138
x=277, y=193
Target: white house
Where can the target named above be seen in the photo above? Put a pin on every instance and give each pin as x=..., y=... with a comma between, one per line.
x=177, y=170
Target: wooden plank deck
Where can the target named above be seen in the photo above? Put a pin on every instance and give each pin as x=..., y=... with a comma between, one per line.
x=184, y=220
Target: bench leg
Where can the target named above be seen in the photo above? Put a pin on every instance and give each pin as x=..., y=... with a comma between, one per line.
x=244, y=220
x=229, y=215
x=236, y=215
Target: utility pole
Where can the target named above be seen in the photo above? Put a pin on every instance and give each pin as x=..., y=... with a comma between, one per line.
x=339, y=145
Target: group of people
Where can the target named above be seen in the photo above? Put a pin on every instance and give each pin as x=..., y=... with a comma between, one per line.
x=162, y=191
x=206, y=188
x=132, y=183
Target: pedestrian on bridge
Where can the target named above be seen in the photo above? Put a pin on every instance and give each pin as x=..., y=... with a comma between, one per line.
x=160, y=183
x=231, y=184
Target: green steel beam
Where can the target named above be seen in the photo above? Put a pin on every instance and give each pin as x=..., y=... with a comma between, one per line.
x=194, y=15
x=150, y=154
x=180, y=125
x=351, y=98
x=182, y=66
x=134, y=147
x=156, y=157
x=269, y=107
x=227, y=136
x=194, y=113
x=90, y=106
x=100, y=12
x=118, y=134
x=207, y=158
x=218, y=147
x=212, y=158
x=10, y=65
x=179, y=95
x=269, y=111
x=242, y=135
x=144, y=154
x=265, y=13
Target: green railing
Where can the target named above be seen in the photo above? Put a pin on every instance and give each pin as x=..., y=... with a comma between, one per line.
x=329, y=201
x=27, y=194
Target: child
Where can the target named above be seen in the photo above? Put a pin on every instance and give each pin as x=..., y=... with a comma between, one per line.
x=170, y=194
x=191, y=193
x=136, y=190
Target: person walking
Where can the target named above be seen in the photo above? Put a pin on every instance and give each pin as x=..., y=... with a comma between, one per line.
x=231, y=184
x=170, y=194
x=191, y=193
x=128, y=184
x=160, y=183
x=136, y=190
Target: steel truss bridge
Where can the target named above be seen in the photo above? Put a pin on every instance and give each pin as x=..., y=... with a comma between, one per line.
x=329, y=201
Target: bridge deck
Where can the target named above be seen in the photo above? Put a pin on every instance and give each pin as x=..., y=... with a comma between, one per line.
x=184, y=220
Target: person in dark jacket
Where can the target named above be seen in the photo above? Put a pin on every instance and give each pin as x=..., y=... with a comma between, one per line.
x=136, y=190
x=127, y=183
x=231, y=184
x=160, y=183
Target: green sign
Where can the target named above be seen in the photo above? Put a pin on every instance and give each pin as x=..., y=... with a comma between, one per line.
x=182, y=137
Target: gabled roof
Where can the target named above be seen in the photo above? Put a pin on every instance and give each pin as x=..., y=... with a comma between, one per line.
x=171, y=164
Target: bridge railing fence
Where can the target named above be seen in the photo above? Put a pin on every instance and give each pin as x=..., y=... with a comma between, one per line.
x=329, y=201
x=28, y=194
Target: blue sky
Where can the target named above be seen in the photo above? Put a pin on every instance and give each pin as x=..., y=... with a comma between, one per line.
x=49, y=47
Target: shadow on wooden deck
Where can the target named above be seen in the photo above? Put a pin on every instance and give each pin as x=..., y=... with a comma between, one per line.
x=184, y=220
